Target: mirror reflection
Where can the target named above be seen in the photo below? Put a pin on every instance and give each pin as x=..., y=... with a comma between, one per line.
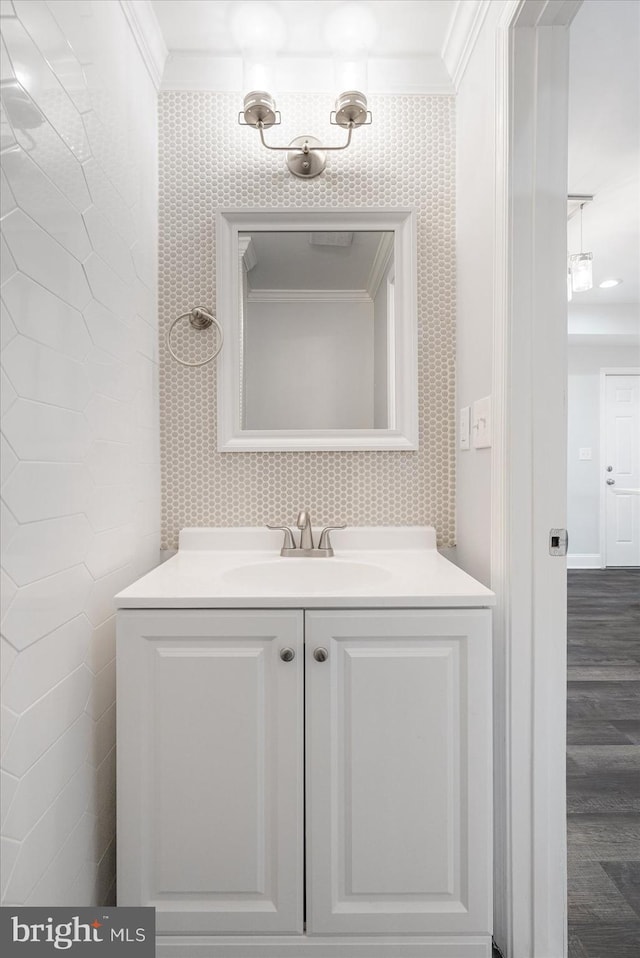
x=317, y=337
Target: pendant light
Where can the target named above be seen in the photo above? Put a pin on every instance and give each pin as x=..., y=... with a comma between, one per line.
x=581, y=266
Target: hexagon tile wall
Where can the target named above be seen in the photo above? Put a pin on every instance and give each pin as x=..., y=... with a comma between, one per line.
x=207, y=161
x=80, y=448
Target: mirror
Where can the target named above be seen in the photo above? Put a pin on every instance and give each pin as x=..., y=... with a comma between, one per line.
x=318, y=310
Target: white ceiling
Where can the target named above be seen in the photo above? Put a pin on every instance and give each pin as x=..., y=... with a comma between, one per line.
x=419, y=44
x=291, y=261
x=405, y=27
x=418, y=49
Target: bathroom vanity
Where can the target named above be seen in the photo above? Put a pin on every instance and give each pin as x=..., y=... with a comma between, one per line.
x=304, y=749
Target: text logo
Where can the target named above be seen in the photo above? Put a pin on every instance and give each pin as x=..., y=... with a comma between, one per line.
x=32, y=932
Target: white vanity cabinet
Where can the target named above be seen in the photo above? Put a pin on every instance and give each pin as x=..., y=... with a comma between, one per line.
x=399, y=776
x=210, y=775
x=392, y=833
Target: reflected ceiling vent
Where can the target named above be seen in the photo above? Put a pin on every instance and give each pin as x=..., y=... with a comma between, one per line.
x=330, y=239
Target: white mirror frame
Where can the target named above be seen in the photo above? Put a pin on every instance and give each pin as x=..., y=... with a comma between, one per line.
x=403, y=371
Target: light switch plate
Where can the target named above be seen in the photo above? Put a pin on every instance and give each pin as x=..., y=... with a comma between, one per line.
x=481, y=425
x=464, y=427
x=584, y=452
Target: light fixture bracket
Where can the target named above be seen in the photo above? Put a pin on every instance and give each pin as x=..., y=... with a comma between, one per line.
x=306, y=158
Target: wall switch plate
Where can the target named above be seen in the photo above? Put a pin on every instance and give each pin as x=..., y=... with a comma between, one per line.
x=481, y=425
x=464, y=427
x=585, y=453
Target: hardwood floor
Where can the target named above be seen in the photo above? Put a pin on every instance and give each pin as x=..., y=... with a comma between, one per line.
x=603, y=763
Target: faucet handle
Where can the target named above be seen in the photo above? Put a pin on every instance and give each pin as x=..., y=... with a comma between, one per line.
x=325, y=541
x=288, y=536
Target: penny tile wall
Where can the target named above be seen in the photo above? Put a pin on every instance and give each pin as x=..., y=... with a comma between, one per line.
x=207, y=162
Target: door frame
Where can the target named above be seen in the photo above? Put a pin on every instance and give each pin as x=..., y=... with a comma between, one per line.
x=604, y=372
x=529, y=475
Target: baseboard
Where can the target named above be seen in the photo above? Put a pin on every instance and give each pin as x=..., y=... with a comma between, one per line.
x=299, y=946
x=584, y=560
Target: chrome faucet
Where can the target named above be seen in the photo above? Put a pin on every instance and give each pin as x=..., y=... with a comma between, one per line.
x=306, y=549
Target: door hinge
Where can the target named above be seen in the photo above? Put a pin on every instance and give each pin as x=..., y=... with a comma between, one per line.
x=558, y=542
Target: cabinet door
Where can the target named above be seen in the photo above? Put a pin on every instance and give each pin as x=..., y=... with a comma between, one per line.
x=399, y=775
x=210, y=751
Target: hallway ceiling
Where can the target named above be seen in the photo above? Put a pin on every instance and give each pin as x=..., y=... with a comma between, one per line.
x=604, y=144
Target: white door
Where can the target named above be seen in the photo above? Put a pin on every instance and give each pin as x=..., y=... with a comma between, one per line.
x=210, y=752
x=621, y=444
x=399, y=781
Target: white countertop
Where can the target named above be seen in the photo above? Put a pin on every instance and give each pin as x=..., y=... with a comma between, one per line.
x=383, y=567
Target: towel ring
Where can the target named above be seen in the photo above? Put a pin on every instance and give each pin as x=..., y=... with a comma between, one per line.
x=199, y=318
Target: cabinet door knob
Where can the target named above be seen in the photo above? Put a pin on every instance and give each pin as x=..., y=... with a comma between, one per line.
x=321, y=655
x=287, y=655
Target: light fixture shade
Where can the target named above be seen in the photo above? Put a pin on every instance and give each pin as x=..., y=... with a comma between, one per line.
x=581, y=266
x=351, y=107
x=259, y=107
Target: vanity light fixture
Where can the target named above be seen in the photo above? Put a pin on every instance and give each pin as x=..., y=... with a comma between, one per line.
x=259, y=32
x=609, y=283
x=306, y=156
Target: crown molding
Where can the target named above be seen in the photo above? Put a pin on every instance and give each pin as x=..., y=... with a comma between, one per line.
x=308, y=296
x=603, y=339
x=547, y=13
x=462, y=36
x=188, y=70
x=380, y=263
x=146, y=31
x=247, y=250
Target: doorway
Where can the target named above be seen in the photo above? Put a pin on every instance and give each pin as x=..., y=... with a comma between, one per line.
x=603, y=484
x=529, y=463
x=603, y=469
x=620, y=478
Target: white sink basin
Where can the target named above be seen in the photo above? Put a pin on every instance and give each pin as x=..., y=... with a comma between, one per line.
x=304, y=575
x=373, y=567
